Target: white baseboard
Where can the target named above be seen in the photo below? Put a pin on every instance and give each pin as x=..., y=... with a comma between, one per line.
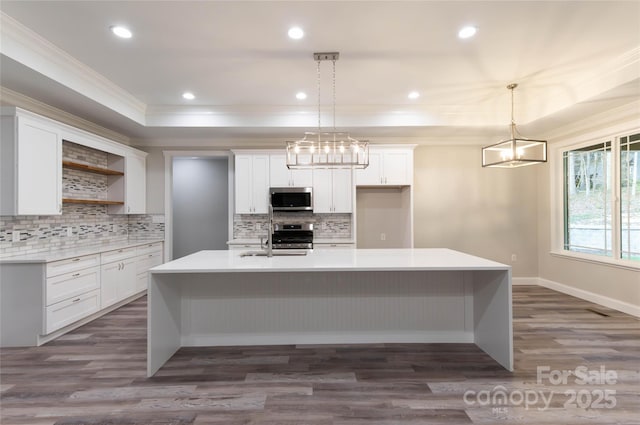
x=524, y=281
x=602, y=300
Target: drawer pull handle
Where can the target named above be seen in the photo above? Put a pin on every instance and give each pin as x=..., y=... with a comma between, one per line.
x=76, y=300
x=75, y=274
x=76, y=259
x=119, y=250
x=150, y=255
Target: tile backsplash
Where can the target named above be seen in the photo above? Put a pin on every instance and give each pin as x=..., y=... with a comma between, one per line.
x=89, y=224
x=325, y=226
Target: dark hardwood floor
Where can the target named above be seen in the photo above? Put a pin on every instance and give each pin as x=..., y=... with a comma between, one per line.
x=96, y=375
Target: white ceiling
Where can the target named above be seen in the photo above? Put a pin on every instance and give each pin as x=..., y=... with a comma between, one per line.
x=570, y=59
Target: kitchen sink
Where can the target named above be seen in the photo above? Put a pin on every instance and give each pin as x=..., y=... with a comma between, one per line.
x=275, y=253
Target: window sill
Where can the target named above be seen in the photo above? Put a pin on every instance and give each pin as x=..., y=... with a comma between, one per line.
x=595, y=259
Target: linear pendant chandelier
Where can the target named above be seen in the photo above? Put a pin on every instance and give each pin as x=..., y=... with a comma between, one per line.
x=327, y=149
x=516, y=151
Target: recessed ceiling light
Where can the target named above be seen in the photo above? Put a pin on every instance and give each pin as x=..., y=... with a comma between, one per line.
x=467, y=32
x=413, y=95
x=121, y=31
x=301, y=95
x=188, y=95
x=296, y=33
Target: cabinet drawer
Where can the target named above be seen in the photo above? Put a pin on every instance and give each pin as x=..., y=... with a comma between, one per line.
x=118, y=254
x=68, y=285
x=72, y=264
x=69, y=311
x=145, y=262
x=149, y=248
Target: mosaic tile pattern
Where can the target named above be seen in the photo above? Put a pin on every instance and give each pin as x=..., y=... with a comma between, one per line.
x=326, y=226
x=78, y=184
x=82, y=185
x=89, y=225
x=83, y=154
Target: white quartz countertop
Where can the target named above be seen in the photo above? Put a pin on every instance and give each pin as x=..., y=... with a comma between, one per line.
x=64, y=254
x=345, y=259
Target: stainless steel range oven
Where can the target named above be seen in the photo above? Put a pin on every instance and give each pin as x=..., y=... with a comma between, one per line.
x=293, y=236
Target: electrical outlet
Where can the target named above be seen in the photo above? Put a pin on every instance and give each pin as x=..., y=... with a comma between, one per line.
x=16, y=236
x=514, y=257
x=383, y=236
x=69, y=231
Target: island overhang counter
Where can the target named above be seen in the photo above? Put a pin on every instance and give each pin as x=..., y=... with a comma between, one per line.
x=338, y=296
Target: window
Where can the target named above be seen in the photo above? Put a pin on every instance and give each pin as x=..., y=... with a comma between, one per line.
x=587, y=206
x=630, y=197
x=602, y=198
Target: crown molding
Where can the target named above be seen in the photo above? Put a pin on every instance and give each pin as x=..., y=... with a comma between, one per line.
x=595, y=124
x=37, y=53
x=10, y=97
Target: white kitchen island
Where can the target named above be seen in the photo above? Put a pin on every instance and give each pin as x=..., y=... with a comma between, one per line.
x=218, y=298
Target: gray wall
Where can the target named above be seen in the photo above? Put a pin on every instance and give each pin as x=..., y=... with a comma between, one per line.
x=489, y=212
x=200, y=205
x=383, y=210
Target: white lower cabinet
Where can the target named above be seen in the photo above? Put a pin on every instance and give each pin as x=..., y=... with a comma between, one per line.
x=118, y=281
x=72, y=291
x=66, y=312
x=333, y=245
x=65, y=286
x=40, y=298
x=244, y=246
x=148, y=256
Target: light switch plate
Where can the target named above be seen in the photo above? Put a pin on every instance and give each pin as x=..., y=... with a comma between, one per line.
x=69, y=231
x=16, y=236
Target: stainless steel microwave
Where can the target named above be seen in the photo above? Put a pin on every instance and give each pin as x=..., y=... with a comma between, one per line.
x=291, y=198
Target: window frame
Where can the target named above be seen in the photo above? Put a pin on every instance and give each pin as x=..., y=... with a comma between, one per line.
x=557, y=193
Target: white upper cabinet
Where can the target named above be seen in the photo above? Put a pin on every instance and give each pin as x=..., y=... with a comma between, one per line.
x=135, y=178
x=387, y=167
x=332, y=191
x=31, y=163
x=251, y=183
x=281, y=176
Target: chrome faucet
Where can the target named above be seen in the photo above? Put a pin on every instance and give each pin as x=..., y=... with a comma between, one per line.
x=269, y=247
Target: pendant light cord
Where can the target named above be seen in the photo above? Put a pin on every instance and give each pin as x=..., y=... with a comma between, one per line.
x=513, y=121
x=334, y=95
x=318, y=95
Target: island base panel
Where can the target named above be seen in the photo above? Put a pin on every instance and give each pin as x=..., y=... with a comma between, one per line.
x=262, y=308
x=163, y=320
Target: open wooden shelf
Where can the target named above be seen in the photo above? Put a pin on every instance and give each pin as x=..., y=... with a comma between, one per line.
x=91, y=201
x=91, y=169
